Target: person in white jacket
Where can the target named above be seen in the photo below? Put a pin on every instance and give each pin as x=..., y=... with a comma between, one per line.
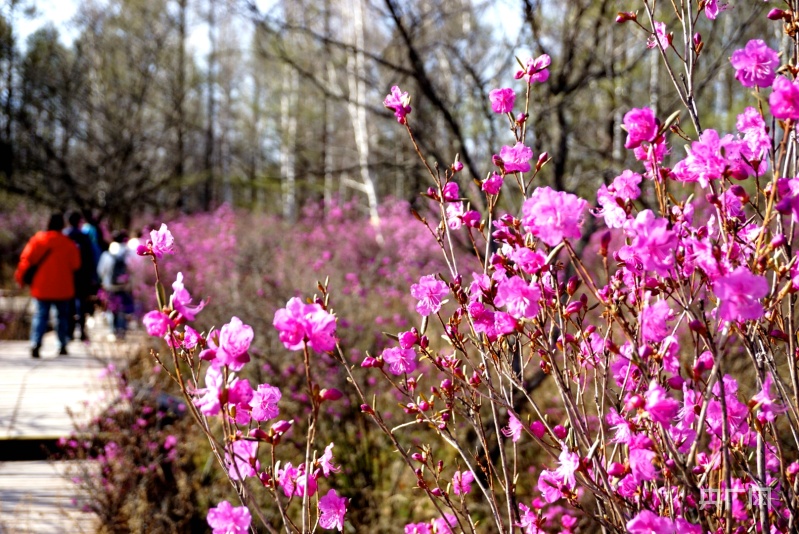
x=112, y=270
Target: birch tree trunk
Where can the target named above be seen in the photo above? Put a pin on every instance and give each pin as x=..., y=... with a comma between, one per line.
x=288, y=144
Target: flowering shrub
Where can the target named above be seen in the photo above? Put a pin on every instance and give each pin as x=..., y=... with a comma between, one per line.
x=653, y=424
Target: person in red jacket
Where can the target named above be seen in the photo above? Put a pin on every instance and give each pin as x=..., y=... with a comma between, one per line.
x=57, y=257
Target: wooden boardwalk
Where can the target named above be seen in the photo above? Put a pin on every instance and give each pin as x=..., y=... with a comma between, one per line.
x=35, y=399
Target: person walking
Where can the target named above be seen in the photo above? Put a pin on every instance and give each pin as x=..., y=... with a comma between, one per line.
x=55, y=258
x=85, y=277
x=115, y=279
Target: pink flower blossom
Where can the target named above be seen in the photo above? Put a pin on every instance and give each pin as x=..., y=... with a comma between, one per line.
x=569, y=463
x=471, y=219
x=647, y=522
x=553, y=215
x=234, y=342
x=264, y=402
x=326, y=462
x=417, y=528
x=208, y=403
x=659, y=37
x=299, y=322
x=399, y=360
x=514, y=429
x=516, y=158
x=399, y=103
x=768, y=408
x=454, y=213
x=492, y=184
x=642, y=467
x=660, y=407
x=519, y=297
x=429, y=292
x=652, y=242
x=332, y=509
x=653, y=321
x=535, y=70
x=784, y=98
x=157, y=323
x=739, y=294
x=450, y=192
x=241, y=459
x=755, y=64
x=444, y=525
x=161, y=242
x=181, y=299
x=641, y=125
x=713, y=8
x=502, y=100
x=227, y=519
x=462, y=482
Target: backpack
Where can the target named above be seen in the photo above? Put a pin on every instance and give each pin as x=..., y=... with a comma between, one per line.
x=119, y=271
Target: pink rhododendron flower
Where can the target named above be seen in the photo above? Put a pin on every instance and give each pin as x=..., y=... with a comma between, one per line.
x=326, y=462
x=444, y=525
x=454, y=213
x=513, y=430
x=516, y=158
x=234, y=342
x=652, y=242
x=161, y=242
x=653, y=321
x=227, y=519
x=784, y=98
x=647, y=522
x=181, y=300
x=739, y=294
x=529, y=520
x=400, y=360
x=502, y=100
x=756, y=64
x=553, y=215
x=238, y=459
x=462, y=482
x=569, y=463
x=157, y=323
x=660, y=37
x=332, y=509
x=519, y=297
x=264, y=402
x=417, y=528
x=713, y=8
x=208, y=403
x=471, y=219
x=768, y=408
x=239, y=394
x=492, y=184
x=661, y=408
x=641, y=125
x=399, y=103
x=535, y=70
x=429, y=292
x=450, y=192
x=299, y=322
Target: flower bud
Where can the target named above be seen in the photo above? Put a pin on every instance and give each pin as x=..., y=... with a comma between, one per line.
x=538, y=429
x=604, y=242
x=424, y=406
x=331, y=394
x=634, y=403
x=408, y=339
x=542, y=159
x=778, y=14
x=436, y=492
x=625, y=16
x=371, y=362
x=365, y=408
x=424, y=342
x=560, y=432
x=778, y=240
x=418, y=457
x=475, y=380
x=259, y=434
x=446, y=385
x=457, y=166
x=497, y=161
x=521, y=118
x=616, y=470
x=143, y=250
x=280, y=427
x=697, y=39
x=573, y=307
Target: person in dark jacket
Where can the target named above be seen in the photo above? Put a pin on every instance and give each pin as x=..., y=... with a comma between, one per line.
x=85, y=277
x=57, y=258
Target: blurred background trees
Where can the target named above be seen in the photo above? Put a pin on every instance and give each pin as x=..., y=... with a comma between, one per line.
x=157, y=105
